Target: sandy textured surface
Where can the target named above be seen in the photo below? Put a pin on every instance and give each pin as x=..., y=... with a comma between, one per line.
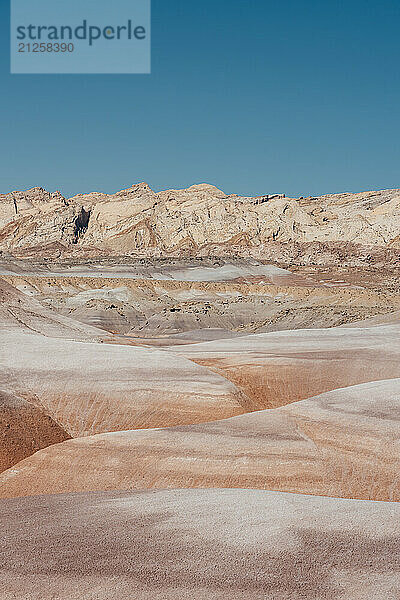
x=24, y=429
x=198, y=545
x=344, y=443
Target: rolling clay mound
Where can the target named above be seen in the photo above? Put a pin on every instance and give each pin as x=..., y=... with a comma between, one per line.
x=24, y=429
x=343, y=443
x=274, y=369
x=198, y=544
x=91, y=387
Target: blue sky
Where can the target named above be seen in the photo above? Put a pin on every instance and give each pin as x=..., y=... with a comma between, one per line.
x=300, y=97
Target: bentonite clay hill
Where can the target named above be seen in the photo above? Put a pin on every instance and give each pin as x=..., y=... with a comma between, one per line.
x=344, y=443
x=200, y=220
x=90, y=386
x=341, y=444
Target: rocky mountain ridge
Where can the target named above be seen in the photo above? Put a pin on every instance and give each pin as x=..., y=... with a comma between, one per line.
x=198, y=221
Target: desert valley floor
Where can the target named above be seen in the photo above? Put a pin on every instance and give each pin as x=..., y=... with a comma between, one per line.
x=196, y=429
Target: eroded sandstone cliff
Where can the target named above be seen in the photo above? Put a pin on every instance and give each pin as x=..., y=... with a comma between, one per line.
x=198, y=221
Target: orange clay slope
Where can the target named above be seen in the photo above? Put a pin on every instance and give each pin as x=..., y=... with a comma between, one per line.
x=24, y=429
x=276, y=368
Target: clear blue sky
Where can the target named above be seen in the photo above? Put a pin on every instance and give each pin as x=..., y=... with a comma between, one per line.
x=300, y=97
